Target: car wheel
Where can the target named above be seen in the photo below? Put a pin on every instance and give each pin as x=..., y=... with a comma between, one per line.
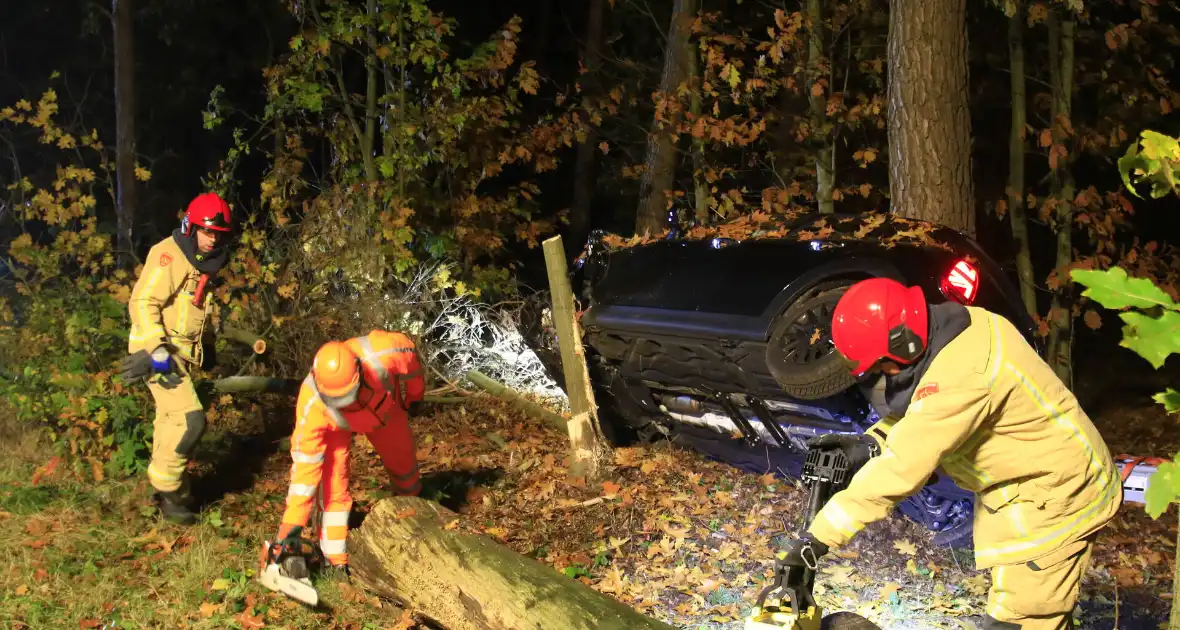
x=846, y=621
x=800, y=353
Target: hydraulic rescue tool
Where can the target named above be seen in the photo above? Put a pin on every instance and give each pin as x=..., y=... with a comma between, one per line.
x=287, y=569
x=788, y=603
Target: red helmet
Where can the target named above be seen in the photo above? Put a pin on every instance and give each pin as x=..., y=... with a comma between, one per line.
x=208, y=211
x=879, y=319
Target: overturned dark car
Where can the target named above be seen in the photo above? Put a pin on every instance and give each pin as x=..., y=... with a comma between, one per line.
x=719, y=338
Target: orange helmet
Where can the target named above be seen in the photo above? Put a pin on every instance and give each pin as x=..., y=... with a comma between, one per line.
x=337, y=374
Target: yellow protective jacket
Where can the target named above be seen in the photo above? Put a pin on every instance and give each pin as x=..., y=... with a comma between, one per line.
x=993, y=415
x=161, y=305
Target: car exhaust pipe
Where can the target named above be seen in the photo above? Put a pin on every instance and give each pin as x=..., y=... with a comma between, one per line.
x=693, y=411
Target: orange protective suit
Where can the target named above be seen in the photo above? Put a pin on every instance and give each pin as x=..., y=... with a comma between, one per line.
x=391, y=380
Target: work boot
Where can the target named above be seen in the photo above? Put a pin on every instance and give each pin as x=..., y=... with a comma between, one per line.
x=987, y=622
x=175, y=507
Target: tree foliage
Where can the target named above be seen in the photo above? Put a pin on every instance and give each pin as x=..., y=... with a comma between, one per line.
x=1152, y=329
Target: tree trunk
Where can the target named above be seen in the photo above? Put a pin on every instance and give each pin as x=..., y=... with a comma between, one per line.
x=1061, y=44
x=660, y=162
x=700, y=187
x=929, y=120
x=1016, y=150
x=1174, y=618
x=461, y=581
x=124, y=29
x=824, y=176
x=585, y=168
x=370, y=139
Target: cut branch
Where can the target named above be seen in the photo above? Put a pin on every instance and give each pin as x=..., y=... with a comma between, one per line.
x=255, y=341
x=495, y=388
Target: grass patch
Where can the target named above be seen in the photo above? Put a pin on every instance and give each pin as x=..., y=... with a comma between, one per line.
x=96, y=555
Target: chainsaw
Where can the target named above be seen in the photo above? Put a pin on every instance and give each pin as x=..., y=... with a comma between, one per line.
x=287, y=569
x=788, y=602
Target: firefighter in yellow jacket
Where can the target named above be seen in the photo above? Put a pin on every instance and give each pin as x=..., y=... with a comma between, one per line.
x=972, y=398
x=169, y=309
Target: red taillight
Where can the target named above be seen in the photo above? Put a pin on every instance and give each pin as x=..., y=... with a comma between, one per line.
x=961, y=282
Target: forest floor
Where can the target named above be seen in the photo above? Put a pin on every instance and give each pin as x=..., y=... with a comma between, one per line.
x=678, y=537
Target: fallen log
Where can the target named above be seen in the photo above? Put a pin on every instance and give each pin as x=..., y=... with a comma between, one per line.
x=256, y=343
x=498, y=389
x=462, y=581
x=271, y=385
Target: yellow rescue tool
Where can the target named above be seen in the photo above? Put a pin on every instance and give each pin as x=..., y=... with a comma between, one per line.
x=788, y=603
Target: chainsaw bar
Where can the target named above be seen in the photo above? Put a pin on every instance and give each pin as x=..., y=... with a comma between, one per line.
x=298, y=589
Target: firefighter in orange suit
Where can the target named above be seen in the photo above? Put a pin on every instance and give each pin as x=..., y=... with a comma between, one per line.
x=169, y=309
x=363, y=385
x=973, y=398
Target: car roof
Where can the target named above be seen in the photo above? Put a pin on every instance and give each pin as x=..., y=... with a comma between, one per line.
x=878, y=228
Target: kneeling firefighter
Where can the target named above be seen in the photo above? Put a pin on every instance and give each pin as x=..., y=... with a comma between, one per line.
x=363, y=385
x=169, y=310
x=972, y=398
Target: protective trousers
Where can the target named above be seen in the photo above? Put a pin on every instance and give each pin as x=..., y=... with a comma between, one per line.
x=1040, y=595
x=394, y=444
x=179, y=424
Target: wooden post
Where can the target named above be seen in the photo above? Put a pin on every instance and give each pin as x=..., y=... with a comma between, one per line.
x=586, y=439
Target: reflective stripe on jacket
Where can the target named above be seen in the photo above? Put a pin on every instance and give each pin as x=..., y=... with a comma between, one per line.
x=161, y=304
x=389, y=365
x=993, y=415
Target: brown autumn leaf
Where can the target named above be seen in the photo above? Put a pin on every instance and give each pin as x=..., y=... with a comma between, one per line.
x=610, y=489
x=208, y=609
x=46, y=470
x=22, y=590
x=1093, y=319
x=1046, y=138
x=37, y=527
x=406, y=513
x=405, y=622
x=249, y=620
x=889, y=589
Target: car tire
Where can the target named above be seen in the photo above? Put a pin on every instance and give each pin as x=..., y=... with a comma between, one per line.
x=846, y=621
x=805, y=363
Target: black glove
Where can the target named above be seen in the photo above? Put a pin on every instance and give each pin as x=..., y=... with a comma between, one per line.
x=858, y=448
x=135, y=366
x=802, y=552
